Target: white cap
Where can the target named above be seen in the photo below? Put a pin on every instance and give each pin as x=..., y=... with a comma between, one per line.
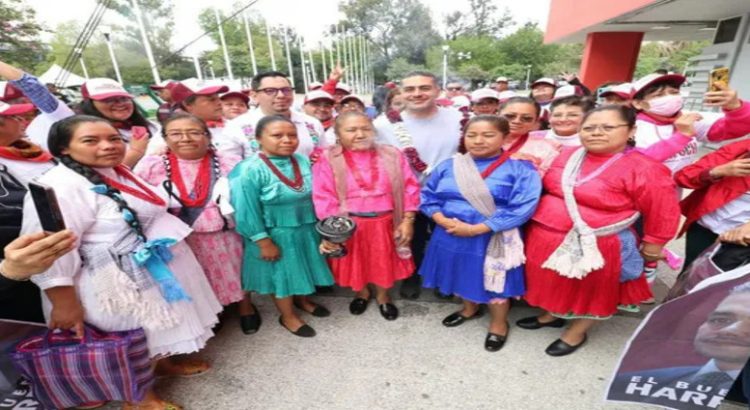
x=344, y=87
x=482, y=93
x=501, y=80
x=544, y=80
x=102, y=88
x=354, y=97
x=461, y=101
x=318, y=95
x=624, y=91
x=654, y=78
x=162, y=85
x=567, y=91
x=314, y=85
x=181, y=90
x=9, y=92
x=15, y=109
x=506, y=95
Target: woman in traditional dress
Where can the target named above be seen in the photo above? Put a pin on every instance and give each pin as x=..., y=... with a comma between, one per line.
x=523, y=114
x=374, y=185
x=584, y=259
x=272, y=197
x=195, y=175
x=478, y=201
x=131, y=268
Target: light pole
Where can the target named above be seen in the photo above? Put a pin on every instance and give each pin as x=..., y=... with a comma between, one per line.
x=211, y=69
x=445, y=65
x=197, y=65
x=227, y=62
x=146, y=44
x=108, y=40
x=528, y=76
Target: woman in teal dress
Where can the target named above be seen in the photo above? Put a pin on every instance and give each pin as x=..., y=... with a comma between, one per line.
x=271, y=194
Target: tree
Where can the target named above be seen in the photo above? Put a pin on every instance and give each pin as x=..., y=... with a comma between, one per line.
x=670, y=55
x=399, y=67
x=19, y=35
x=482, y=20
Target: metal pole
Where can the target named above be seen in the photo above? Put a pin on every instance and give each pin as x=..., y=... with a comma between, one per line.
x=250, y=43
x=352, y=63
x=83, y=67
x=146, y=44
x=111, y=49
x=270, y=47
x=445, y=66
x=223, y=44
x=362, y=76
x=528, y=76
x=197, y=64
x=325, y=72
x=312, y=66
x=289, y=57
x=330, y=59
x=211, y=69
x=338, y=45
x=355, y=75
x=302, y=59
x=344, y=49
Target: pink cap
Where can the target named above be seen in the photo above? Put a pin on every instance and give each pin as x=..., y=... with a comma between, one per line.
x=181, y=90
x=6, y=110
x=9, y=92
x=162, y=85
x=344, y=87
x=506, y=95
x=654, y=78
x=353, y=97
x=318, y=95
x=236, y=94
x=482, y=93
x=315, y=85
x=98, y=89
x=624, y=91
x=544, y=80
x=568, y=91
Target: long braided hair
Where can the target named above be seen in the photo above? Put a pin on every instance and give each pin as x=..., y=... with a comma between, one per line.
x=60, y=135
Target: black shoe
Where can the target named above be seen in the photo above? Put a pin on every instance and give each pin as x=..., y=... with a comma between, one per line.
x=318, y=310
x=251, y=323
x=389, y=311
x=442, y=296
x=560, y=348
x=324, y=289
x=358, y=306
x=303, y=331
x=456, y=319
x=411, y=287
x=494, y=342
x=533, y=323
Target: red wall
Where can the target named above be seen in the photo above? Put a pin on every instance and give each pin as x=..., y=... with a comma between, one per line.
x=609, y=57
x=570, y=16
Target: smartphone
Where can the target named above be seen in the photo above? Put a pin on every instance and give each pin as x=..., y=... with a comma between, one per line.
x=718, y=76
x=45, y=202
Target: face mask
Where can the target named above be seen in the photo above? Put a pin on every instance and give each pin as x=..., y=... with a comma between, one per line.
x=666, y=106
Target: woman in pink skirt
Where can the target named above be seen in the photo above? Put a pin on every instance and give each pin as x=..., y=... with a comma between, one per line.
x=373, y=185
x=194, y=175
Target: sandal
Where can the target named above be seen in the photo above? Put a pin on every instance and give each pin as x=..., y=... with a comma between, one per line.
x=185, y=367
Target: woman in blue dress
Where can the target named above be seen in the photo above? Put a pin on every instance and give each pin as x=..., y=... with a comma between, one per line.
x=478, y=201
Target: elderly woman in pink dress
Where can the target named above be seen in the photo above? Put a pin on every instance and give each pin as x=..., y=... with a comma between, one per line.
x=194, y=175
x=374, y=185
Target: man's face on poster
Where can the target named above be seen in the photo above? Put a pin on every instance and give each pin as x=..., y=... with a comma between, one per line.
x=725, y=335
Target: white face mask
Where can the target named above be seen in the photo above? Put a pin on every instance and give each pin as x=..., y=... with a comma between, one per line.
x=667, y=105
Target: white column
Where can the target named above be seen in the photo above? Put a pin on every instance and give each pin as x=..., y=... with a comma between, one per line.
x=289, y=57
x=227, y=63
x=146, y=44
x=302, y=59
x=270, y=47
x=198, y=72
x=312, y=66
x=325, y=72
x=249, y=35
x=83, y=67
x=108, y=40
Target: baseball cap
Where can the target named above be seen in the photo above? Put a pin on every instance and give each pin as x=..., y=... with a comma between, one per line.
x=655, y=78
x=9, y=92
x=506, y=95
x=461, y=101
x=181, y=90
x=315, y=85
x=501, y=80
x=544, y=80
x=483, y=93
x=567, y=91
x=344, y=87
x=353, y=97
x=624, y=91
x=6, y=110
x=98, y=89
x=162, y=85
x=318, y=95
x=236, y=94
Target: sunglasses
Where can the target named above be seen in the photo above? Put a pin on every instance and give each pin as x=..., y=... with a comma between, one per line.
x=271, y=92
x=523, y=118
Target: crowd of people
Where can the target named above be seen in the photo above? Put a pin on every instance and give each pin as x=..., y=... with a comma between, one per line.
x=562, y=198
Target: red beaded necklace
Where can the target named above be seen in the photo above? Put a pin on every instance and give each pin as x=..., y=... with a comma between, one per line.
x=202, y=183
x=298, y=182
x=144, y=192
x=374, y=170
x=517, y=144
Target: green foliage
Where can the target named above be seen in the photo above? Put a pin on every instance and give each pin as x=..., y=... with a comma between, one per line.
x=19, y=35
x=672, y=55
x=482, y=20
x=399, y=67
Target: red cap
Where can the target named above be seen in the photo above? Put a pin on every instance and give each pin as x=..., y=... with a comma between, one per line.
x=653, y=78
x=181, y=90
x=390, y=84
x=162, y=85
x=236, y=94
x=98, y=89
x=318, y=95
x=6, y=110
x=9, y=92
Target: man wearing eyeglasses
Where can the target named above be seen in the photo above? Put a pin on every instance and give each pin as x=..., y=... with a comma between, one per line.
x=435, y=133
x=454, y=89
x=274, y=94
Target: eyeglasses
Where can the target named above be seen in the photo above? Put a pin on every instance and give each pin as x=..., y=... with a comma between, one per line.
x=523, y=118
x=589, y=129
x=177, y=135
x=271, y=92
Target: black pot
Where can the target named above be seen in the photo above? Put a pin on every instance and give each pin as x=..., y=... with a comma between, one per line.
x=336, y=229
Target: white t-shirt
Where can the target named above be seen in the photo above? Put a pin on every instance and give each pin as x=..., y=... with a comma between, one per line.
x=26, y=171
x=238, y=135
x=729, y=216
x=38, y=129
x=436, y=138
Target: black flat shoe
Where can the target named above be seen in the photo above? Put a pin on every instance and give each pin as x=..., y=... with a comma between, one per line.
x=303, y=331
x=533, y=323
x=358, y=306
x=251, y=323
x=494, y=342
x=456, y=319
x=318, y=310
x=442, y=296
x=389, y=311
x=411, y=287
x=559, y=348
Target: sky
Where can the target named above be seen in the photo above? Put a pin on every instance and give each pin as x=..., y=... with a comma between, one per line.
x=308, y=17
